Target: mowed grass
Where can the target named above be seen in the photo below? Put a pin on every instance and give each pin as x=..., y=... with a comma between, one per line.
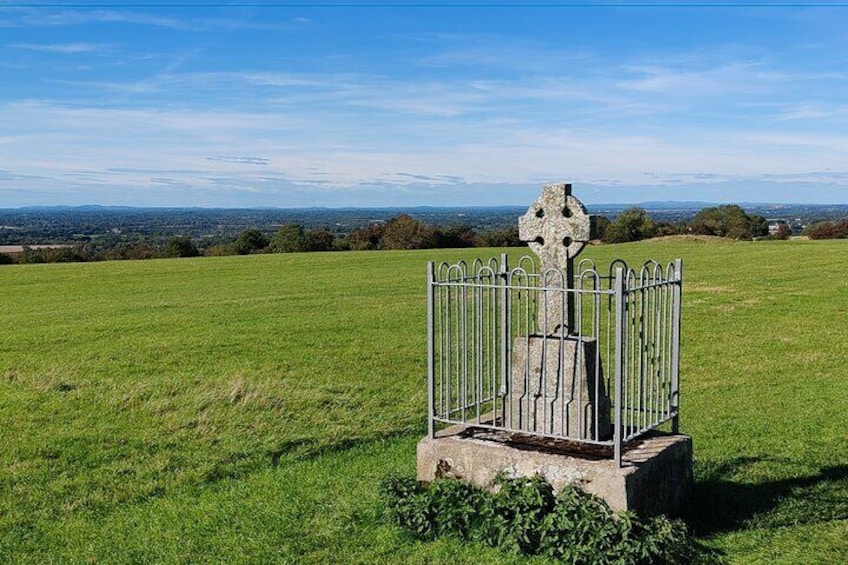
x=244, y=409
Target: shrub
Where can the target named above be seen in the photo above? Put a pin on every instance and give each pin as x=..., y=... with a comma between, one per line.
x=783, y=232
x=319, y=240
x=633, y=224
x=455, y=237
x=828, y=230
x=728, y=221
x=367, y=238
x=249, y=241
x=221, y=250
x=501, y=238
x=289, y=238
x=524, y=516
x=180, y=246
x=597, y=226
x=405, y=232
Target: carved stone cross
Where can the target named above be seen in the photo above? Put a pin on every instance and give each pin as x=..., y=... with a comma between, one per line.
x=556, y=227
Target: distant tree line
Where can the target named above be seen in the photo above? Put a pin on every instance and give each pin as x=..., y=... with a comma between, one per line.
x=729, y=221
x=400, y=232
x=406, y=232
x=828, y=230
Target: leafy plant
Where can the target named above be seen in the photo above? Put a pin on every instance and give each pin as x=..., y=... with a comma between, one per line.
x=525, y=516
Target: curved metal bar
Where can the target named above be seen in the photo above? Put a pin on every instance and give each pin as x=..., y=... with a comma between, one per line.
x=630, y=278
x=671, y=271
x=650, y=262
x=518, y=272
x=486, y=273
x=552, y=273
x=528, y=259
x=494, y=264
x=617, y=263
x=646, y=274
x=464, y=267
x=586, y=261
x=595, y=277
x=476, y=266
x=457, y=269
x=442, y=271
x=658, y=272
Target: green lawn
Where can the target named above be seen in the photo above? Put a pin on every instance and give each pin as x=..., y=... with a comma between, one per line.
x=244, y=409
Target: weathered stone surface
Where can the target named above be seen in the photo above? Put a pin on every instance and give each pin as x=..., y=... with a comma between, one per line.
x=556, y=228
x=656, y=476
x=558, y=388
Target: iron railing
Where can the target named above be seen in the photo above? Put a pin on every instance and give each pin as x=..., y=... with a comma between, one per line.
x=585, y=357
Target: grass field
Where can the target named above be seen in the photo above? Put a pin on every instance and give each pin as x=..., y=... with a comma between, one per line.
x=244, y=409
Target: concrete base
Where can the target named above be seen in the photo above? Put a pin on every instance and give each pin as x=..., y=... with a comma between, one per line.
x=656, y=476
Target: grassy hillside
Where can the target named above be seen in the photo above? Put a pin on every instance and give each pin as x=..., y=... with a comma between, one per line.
x=243, y=409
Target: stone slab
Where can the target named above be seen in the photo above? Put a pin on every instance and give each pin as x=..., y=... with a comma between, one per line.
x=558, y=389
x=656, y=476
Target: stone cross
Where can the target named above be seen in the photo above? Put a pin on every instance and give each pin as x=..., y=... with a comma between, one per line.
x=556, y=227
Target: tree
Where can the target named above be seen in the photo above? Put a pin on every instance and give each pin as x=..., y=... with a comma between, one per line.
x=405, y=232
x=289, y=238
x=220, y=250
x=250, y=240
x=180, y=246
x=501, y=238
x=369, y=237
x=319, y=240
x=597, y=226
x=828, y=230
x=455, y=237
x=783, y=232
x=633, y=224
x=759, y=226
x=728, y=221
x=667, y=228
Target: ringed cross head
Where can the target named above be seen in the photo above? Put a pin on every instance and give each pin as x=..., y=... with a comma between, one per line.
x=556, y=227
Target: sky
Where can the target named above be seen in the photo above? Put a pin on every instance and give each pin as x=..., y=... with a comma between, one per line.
x=294, y=104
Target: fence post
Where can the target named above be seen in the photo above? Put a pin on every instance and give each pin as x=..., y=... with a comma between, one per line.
x=618, y=435
x=675, y=345
x=431, y=372
x=505, y=331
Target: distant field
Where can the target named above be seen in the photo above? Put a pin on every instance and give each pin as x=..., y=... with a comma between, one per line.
x=244, y=409
x=16, y=249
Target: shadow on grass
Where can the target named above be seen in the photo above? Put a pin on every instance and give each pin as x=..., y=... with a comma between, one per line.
x=308, y=449
x=727, y=496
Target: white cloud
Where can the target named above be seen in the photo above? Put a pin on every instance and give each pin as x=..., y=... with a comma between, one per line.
x=136, y=149
x=63, y=48
x=470, y=115
x=48, y=16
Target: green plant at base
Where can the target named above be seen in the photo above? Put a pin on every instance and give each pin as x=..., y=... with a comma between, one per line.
x=516, y=514
x=524, y=516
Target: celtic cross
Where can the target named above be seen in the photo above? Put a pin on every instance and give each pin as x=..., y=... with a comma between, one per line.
x=556, y=228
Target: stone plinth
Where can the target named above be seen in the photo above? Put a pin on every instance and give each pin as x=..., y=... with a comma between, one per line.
x=655, y=478
x=558, y=388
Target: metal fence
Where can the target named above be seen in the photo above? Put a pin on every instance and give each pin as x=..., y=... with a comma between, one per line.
x=586, y=357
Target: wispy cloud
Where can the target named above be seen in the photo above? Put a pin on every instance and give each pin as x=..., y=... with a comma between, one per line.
x=64, y=48
x=227, y=106
x=50, y=17
x=241, y=160
x=816, y=111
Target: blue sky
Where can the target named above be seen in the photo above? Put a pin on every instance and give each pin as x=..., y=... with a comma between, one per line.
x=298, y=104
